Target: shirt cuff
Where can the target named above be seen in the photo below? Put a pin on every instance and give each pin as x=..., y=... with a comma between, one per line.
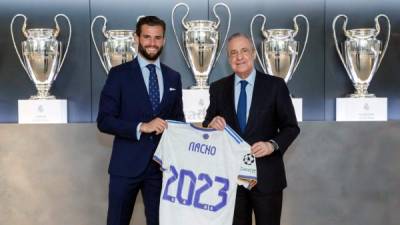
x=274, y=144
x=138, y=133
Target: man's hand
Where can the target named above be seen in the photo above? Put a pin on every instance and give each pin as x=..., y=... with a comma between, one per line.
x=156, y=125
x=218, y=123
x=261, y=148
x=252, y=184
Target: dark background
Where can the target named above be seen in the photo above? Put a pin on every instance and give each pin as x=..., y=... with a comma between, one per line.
x=319, y=79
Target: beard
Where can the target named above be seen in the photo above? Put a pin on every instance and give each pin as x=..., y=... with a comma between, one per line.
x=151, y=57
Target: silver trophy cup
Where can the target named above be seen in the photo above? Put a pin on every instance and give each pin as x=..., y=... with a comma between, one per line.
x=280, y=51
x=201, y=43
x=119, y=46
x=41, y=54
x=361, y=53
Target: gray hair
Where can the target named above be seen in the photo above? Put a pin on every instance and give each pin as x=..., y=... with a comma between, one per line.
x=238, y=35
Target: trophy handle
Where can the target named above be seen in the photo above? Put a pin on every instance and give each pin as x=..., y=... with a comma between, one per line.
x=183, y=24
x=336, y=41
x=217, y=25
x=94, y=40
x=69, y=40
x=13, y=39
x=378, y=28
x=296, y=28
x=252, y=38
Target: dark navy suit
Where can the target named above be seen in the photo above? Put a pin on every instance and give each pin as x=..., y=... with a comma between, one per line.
x=271, y=116
x=124, y=103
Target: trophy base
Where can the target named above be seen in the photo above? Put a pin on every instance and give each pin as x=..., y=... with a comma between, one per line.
x=361, y=91
x=298, y=108
x=201, y=82
x=361, y=109
x=357, y=95
x=37, y=97
x=200, y=87
x=42, y=111
x=195, y=104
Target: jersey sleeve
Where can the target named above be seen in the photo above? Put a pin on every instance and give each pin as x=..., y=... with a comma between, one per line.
x=160, y=155
x=246, y=161
x=248, y=170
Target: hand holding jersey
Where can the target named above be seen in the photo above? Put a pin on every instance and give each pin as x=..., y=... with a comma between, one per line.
x=258, y=149
x=156, y=125
x=201, y=170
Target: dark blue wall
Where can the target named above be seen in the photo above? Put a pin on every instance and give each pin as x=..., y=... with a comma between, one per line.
x=75, y=79
x=319, y=79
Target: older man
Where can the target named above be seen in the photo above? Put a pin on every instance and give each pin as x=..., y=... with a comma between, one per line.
x=258, y=107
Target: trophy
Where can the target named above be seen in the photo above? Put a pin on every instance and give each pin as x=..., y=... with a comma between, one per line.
x=42, y=54
x=119, y=46
x=361, y=53
x=280, y=51
x=201, y=43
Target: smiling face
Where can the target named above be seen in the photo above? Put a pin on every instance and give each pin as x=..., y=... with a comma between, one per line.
x=150, y=41
x=241, y=56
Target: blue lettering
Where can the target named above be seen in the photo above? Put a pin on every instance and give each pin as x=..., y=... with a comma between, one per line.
x=198, y=146
x=202, y=148
x=213, y=150
x=191, y=146
x=193, y=195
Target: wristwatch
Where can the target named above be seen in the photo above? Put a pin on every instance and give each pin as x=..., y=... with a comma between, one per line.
x=274, y=145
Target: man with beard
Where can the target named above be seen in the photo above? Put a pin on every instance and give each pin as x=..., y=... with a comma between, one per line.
x=136, y=99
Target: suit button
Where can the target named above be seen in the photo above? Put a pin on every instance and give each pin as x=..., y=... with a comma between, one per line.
x=151, y=137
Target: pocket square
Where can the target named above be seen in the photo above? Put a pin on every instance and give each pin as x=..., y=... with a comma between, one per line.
x=172, y=89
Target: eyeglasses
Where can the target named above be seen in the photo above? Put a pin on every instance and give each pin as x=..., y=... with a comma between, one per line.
x=243, y=51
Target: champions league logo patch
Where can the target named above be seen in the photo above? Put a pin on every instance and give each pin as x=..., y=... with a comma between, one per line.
x=206, y=136
x=249, y=159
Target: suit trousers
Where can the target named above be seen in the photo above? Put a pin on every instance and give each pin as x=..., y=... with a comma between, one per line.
x=267, y=207
x=123, y=192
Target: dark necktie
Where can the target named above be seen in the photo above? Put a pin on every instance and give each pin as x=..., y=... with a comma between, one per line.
x=154, y=91
x=242, y=106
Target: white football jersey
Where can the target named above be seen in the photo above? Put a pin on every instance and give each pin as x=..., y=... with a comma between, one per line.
x=201, y=170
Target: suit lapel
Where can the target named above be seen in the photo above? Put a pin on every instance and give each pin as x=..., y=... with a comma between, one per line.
x=167, y=84
x=137, y=72
x=231, y=103
x=256, y=100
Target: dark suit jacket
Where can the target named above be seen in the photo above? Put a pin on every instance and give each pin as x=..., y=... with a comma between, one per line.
x=124, y=103
x=271, y=116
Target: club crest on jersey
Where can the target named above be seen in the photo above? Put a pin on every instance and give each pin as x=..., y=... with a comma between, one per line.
x=249, y=159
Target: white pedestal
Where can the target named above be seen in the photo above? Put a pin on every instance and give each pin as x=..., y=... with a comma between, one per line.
x=361, y=109
x=195, y=104
x=42, y=111
x=298, y=108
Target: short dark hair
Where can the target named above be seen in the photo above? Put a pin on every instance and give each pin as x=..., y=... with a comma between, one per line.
x=150, y=21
